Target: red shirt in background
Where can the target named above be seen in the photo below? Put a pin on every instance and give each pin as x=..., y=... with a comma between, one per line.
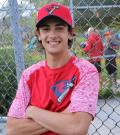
x=94, y=47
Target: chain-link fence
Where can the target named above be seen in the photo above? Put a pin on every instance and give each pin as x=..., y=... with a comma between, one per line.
x=19, y=49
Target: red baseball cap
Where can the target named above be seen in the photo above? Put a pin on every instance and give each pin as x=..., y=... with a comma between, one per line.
x=56, y=10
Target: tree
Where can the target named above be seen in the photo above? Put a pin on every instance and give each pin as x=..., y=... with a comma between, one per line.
x=99, y=18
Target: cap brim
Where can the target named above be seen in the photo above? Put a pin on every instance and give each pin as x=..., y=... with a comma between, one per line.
x=41, y=22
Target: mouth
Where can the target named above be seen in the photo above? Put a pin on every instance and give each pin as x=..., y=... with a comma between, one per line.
x=53, y=43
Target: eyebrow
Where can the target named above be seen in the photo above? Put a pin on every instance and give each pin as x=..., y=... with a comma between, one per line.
x=61, y=24
x=57, y=24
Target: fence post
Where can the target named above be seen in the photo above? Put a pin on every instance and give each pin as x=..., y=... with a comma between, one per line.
x=71, y=5
x=17, y=38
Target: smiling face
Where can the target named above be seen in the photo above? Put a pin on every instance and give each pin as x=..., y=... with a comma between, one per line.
x=54, y=35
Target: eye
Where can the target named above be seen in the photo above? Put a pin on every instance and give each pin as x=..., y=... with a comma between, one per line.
x=60, y=28
x=45, y=28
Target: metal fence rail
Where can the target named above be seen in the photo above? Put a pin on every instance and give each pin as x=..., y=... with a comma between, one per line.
x=18, y=50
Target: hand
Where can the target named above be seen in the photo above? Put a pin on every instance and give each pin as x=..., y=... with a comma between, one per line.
x=82, y=45
x=29, y=111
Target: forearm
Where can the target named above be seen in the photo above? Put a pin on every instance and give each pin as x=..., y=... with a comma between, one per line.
x=61, y=123
x=24, y=127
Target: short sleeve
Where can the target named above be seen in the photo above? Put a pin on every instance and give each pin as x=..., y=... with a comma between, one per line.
x=84, y=96
x=21, y=100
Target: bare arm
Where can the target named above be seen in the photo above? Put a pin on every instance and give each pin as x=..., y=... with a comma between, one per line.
x=24, y=127
x=61, y=123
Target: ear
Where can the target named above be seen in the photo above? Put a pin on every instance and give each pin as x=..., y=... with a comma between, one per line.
x=71, y=34
x=37, y=33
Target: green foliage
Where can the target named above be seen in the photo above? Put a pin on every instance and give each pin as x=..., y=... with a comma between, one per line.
x=33, y=56
x=105, y=93
x=117, y=94
x=39, y=3
x=8, y=82
x=96, y=2
x=84, y=18
x=99, y=18
x=116, y=24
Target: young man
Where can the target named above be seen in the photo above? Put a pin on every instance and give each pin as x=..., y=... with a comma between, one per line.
x=57, y=95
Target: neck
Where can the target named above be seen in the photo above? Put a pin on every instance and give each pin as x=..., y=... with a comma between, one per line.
x=56, y=61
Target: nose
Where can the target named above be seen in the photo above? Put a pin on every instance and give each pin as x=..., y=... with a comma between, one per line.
x=52, y=33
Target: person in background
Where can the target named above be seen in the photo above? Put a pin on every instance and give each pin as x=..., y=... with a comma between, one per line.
x=93, y=47
x=59, y=94
x=110, y=57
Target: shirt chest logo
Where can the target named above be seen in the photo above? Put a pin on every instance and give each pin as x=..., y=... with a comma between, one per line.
x=62, y=87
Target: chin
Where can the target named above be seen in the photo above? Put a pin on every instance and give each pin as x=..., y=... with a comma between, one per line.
x=55, y=52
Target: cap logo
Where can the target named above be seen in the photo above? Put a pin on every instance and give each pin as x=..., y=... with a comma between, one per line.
x=52, y=8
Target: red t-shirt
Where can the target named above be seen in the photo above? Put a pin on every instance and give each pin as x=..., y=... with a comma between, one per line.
x=47, y=85
x=73, y=86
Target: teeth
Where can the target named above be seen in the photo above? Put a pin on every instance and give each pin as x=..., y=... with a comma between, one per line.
x=54, y=43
